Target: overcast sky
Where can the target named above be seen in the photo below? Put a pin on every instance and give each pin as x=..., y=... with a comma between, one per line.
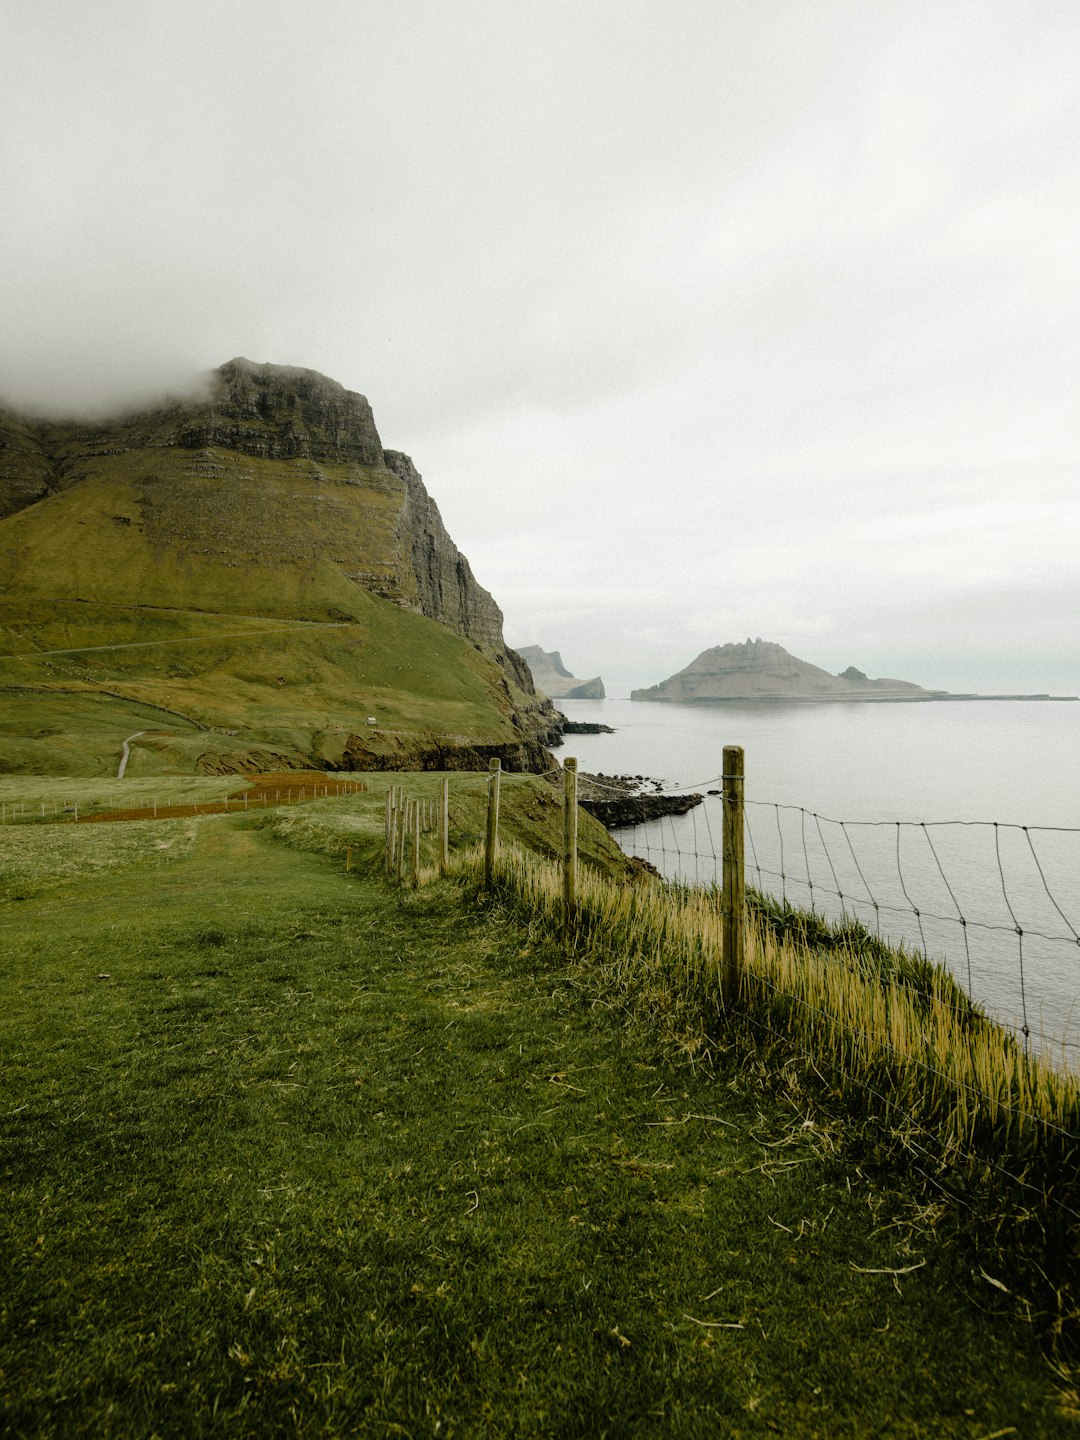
x=701, y=319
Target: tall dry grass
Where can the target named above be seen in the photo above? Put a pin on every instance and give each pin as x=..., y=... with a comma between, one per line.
x=900, y=1043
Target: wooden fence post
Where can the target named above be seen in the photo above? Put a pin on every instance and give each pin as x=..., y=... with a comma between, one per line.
x=492, y=836
x=734, y=881
x=402, y=831
x=389, y=846
x=444, y=826
x=417, y=815
x=570, y=819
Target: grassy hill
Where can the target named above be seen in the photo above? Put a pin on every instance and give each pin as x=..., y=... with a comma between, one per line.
x=214, y=530
x=247, y=603
x=230, y=690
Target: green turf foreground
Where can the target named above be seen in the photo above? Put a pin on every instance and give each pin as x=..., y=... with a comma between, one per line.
x=285, y=1152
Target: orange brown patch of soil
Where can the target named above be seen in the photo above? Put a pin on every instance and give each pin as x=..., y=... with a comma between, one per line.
x=289, y=787
x=299, y=779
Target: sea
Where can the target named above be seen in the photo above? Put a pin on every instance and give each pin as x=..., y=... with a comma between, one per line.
x=952, y=827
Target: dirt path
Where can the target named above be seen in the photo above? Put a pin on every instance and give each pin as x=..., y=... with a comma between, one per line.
x=125, y=752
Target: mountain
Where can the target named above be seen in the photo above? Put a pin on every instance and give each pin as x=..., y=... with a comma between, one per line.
x=249, y=575
x=551, y=676
x=761, y=670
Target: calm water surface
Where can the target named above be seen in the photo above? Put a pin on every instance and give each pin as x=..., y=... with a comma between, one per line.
x=983, y=870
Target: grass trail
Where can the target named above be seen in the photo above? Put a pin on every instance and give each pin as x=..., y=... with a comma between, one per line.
x=287, y=1153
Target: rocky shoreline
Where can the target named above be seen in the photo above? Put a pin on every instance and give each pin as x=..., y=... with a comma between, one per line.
x=585, y=727
x=620, y=801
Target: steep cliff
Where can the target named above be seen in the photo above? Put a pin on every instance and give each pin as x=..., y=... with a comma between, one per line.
x=273, y=412
x=551, y=676
x=393, y=543
x=442, y=585
x=27, y=474
x=267, y=495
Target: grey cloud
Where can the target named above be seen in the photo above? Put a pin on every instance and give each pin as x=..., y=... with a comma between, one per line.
x=759, y=308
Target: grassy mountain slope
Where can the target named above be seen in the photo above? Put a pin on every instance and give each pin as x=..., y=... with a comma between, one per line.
x=216, y=689
x=213, y=531
x=249, y=602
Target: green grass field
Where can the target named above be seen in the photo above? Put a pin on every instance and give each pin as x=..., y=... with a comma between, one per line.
x=288, y=1151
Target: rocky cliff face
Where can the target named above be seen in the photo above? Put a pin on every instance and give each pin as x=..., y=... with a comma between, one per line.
x=274, y=412
x=269, y=493
x=27, y=473
x=445, y=588
x=282, y=414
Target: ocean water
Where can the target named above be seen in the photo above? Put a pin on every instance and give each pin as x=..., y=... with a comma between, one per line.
x=952, y=827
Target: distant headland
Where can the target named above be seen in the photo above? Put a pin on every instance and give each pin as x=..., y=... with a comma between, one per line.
x=761, y=670
x=552, y=677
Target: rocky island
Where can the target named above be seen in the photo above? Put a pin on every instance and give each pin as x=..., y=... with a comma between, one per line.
x=762, y=670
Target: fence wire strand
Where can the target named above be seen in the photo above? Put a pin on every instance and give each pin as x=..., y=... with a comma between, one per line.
x=901, y=910
x=685, y=848
x=956, y=903
x=889, y=1102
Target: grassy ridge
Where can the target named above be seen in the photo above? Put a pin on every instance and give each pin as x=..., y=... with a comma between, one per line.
x=287, y=1152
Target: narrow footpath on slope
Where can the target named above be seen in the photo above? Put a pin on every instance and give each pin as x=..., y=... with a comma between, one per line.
x=125, y=753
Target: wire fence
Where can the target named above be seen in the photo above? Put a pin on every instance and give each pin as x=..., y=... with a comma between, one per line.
x=997, y=904
x=53, y=801
x=944, y=1090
